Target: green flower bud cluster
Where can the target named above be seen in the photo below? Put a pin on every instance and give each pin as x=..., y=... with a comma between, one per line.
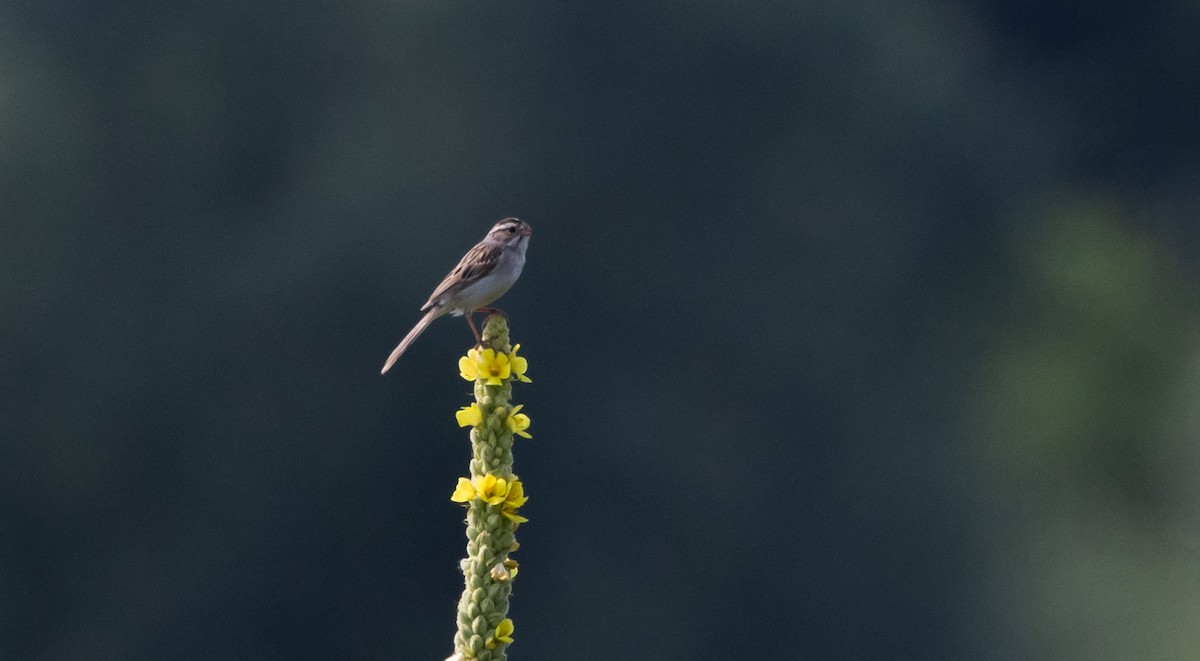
x=492, y=495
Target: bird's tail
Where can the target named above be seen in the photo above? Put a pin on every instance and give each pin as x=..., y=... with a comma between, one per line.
x=411, y=337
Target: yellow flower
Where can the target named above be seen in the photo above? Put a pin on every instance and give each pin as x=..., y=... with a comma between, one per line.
x=514, y=499
x=468, y=365
x=493, y=367
x=504, y=632
x=518, y=422
x=516, y=494
x=519, y=365
x=469, y=416
x=491, y=489
x=490, y=366
x=464, y=492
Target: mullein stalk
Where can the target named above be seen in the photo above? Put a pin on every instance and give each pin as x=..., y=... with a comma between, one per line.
x=492, y=496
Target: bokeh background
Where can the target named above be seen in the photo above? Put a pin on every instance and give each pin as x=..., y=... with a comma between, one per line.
x=858, y=330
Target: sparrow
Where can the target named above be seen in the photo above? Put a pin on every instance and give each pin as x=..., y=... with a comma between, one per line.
x=483, y=275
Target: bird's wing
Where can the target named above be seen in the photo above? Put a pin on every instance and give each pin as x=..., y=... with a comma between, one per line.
x=477, y=263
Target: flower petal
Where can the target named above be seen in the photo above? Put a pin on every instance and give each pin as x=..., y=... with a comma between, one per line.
x=513, y=516
x=504, y=630
x=468, y=368
x=464, y=492
x=469, y=416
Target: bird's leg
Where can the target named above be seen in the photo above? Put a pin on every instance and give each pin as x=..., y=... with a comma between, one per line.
x=490, y=312
x=474, y=330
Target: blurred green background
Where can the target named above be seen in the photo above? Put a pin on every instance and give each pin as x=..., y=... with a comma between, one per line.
x=857, y=330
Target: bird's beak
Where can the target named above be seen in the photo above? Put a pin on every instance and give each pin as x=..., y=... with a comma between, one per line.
x=527, y=231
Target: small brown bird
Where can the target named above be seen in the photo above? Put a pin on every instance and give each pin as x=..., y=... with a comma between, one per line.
x=483, y=275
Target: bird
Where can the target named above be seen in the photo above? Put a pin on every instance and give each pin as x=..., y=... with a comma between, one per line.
x=483, y=275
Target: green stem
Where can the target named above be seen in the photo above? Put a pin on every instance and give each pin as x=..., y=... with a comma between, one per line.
x=490, y=536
